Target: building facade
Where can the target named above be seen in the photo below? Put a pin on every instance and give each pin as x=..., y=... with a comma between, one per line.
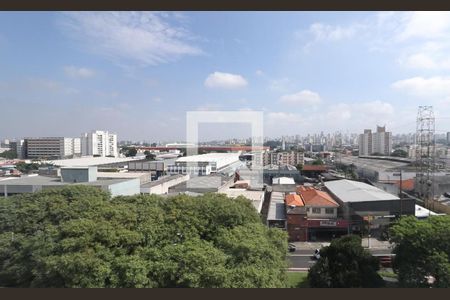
x=99, y=143
x=48, y=148
x=283, y=158
x=379, y=142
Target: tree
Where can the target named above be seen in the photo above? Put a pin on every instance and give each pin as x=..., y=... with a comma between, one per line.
x=78, y=236
x=344, y=264
x=299, y=167
x=399, y=153
x=27, y=167
x=149, y=155
x=318, y=162
x=422, y=249
x=9, y=154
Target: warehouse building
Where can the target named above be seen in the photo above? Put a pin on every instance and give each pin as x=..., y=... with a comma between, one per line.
x=70, y=176
x=205, y=164
x=360, y=201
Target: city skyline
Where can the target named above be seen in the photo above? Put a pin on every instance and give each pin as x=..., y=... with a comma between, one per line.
x=66, y=73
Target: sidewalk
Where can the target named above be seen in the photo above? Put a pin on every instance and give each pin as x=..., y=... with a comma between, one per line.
x=374, y=244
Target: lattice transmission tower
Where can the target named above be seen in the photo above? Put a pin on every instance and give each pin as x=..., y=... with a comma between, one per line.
x=425, y=154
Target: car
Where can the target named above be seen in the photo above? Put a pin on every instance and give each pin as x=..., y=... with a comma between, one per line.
x=292, y=247
x=316, y=254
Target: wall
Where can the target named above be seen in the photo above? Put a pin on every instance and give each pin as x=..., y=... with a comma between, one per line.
x=322, y=214
x=125, y=188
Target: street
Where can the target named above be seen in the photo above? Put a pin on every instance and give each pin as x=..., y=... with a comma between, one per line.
x=302, y=259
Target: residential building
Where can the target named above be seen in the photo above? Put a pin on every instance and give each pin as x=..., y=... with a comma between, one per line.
x=379, y=142
x=99, y=143
x=18, y=148
x=448, y=138
x=365, y=143
x=49, y=147
x=282, y=158
x=297, y=221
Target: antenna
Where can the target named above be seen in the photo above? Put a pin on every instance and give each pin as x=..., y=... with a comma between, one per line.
x=425, y=154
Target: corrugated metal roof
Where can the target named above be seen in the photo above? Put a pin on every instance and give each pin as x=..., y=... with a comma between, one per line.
x=355, y=191
x=277, y=210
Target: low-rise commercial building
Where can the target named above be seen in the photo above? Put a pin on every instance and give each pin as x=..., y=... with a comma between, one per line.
x=204, y=164
x=162, y=185
x=360, y=200
x=69, y=176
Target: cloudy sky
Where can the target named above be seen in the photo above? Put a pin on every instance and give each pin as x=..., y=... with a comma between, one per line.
x=138, y=74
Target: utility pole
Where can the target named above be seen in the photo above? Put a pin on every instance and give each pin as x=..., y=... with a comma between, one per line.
x=400, y=191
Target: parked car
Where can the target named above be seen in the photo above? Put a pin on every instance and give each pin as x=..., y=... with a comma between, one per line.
x=291, y=247
x=316, y=254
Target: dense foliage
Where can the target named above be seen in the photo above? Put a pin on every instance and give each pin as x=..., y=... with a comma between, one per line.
x=422, y=249
x=345, y=264
x=8, y=154
x=79, y=237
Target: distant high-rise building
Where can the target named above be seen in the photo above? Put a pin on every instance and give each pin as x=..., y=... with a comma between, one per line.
x=448, y=138
x=49, y=147
x=17, y=147
x=99, y=143
x=379, y=142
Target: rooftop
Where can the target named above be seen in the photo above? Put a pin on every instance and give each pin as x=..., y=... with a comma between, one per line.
x=162, y=180
x=256, y=197
x=295, y=200
x=314, y=197
x=283, y=180
x=314, y=168
x=52, y=181
x=210, y=157
x=355, y=191
x=90, y=161
x=277, y=209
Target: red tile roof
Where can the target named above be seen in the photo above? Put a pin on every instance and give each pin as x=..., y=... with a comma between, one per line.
x=314, y=168
x=292, y=199
x=313, y=197
x=407, y=185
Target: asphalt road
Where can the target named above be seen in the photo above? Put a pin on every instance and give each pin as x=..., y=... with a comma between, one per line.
x=301, y=259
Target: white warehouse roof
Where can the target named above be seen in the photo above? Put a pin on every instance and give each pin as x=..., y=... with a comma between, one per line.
x=90, y=161
x=221, y=159
x=355, y=191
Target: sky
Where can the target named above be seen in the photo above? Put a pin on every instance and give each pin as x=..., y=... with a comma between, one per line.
x=138, y=73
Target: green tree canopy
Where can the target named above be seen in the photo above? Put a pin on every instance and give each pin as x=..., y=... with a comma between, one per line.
x=318, y=162
x=344, y=264
x=79, y=236
x=422, y=249
x=399, y=153
x=8, y=154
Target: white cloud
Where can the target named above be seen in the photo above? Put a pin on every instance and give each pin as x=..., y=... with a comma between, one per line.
x=144, y=37
x=305, y=97
x=280, y=85
x=225, y=81
x=209, y=107
x=326, y=32
x=156, y=99
x=424, y=87
x=259, y=73
x=423, y=24
x=78, y=72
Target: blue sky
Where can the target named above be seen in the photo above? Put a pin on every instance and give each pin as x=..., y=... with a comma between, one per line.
x=138, y=74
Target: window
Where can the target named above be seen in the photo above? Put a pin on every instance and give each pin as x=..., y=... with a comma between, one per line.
x=316, y=210
x=329, y=211
x=307, y=209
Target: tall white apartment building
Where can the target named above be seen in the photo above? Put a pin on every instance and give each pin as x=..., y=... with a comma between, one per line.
x=101, y=143
x=378, y=142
